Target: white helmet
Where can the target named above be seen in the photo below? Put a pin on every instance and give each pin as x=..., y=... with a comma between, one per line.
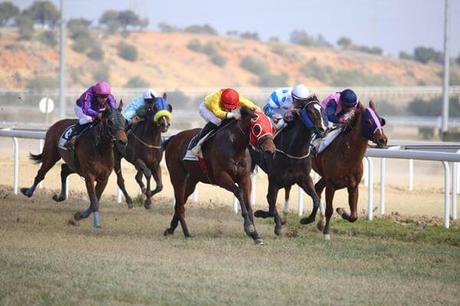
x=148, y=93
x=300, y=92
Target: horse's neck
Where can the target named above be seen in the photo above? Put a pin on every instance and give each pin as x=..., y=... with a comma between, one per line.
x=355, y=139
x=237, y=134
x=148, y=132
x=104, y=145
x=295, y=139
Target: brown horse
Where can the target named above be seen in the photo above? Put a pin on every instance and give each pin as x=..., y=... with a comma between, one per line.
x=292, y=162
x=227, y=164
x=92, y=159
x=144, y=149
x=341, y=164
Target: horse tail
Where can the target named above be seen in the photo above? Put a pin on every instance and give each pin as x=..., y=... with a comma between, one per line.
x=165, y=142
x=36, y=158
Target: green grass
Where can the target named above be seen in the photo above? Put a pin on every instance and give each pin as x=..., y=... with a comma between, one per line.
x=44, y=260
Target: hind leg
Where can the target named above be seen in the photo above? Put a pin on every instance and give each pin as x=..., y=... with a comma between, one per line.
x=141, y=166
x=65, y=171
x=156, y=173
x=309, y=188
x=48, y=161
x=330, y=191
x=243, y=193
x=287, y=192
x=353, y=193
x=272, y=195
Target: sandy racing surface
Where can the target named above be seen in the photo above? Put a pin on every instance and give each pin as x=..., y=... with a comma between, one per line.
x=426, y=199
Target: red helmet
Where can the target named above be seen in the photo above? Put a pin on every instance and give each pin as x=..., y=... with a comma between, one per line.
x=230, y=99
x=102, y=88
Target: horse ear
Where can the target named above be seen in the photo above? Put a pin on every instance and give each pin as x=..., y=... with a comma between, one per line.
x=372, y=104
x=120, y=106
x=382, y=122
x=151, y=95
x=165, y=96
x=170, y=108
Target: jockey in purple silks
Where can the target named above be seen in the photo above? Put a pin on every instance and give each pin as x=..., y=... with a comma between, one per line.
x=340, y=106
x=90, y=106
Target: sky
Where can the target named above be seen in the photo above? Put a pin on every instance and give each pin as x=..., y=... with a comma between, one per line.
x=393, y=25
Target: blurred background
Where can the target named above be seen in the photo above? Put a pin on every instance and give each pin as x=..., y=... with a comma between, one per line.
x=389, y=51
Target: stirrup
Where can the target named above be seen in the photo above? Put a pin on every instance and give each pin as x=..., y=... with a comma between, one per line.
x=189, y=155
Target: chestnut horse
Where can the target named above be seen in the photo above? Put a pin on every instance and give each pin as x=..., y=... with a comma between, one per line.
x=144, y=149
x=292, y=162
x=227, y=163
x=92, y=159
x=340, y=165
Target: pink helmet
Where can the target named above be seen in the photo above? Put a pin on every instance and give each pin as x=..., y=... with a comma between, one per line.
x=102, y=88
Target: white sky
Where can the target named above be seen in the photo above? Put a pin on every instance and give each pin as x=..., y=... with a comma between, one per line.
x=393, y=25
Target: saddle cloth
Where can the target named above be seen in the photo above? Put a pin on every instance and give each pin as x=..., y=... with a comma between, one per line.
x=65, y=137
x=320, y=144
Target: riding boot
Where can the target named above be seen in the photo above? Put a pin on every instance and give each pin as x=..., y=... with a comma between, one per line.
x=195, y=145
x=70, y=144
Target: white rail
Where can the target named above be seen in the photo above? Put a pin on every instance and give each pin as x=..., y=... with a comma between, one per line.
x=449, y=161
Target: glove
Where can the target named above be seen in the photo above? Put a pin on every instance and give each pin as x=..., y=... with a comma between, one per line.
x=279, y=124
x=234, y=114
x=347, y=116
x=229, y=115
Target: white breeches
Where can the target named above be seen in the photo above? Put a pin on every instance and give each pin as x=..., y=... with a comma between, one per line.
x=208, y=115
x=82, y=118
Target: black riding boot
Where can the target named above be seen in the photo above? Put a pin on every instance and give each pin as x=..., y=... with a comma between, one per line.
x=205, y=130
x=73, y=137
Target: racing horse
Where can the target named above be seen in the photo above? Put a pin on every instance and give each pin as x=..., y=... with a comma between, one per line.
x=92, y=158
x=144, y=148
x=292, y=162
x=226, y=162
x=340, y=164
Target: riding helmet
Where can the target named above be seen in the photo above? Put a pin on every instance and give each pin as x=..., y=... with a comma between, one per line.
x=348, y=97
x=300, y=92
x=102, y=88
x=230, y=99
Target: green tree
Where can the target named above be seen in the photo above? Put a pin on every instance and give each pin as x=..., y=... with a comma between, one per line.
x=43, y=12
x=344, y=43
x=110, y=20
x=25, y=27
x=250, y=35
x=167, y=28
x=96, y=53
x=128, y=18
x=201, y=29
x=48, y=38
x=78, y=24
x=425, y=55
x=406, y=56
x=127, y=52
x=457, y=60
x=8, y=11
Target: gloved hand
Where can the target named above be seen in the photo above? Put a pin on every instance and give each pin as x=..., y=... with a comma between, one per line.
x=345, y=118
x=234, y=114
x=279, y=124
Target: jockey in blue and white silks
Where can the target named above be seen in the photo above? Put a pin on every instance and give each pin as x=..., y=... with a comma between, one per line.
x=137, y=106
x=282, y=100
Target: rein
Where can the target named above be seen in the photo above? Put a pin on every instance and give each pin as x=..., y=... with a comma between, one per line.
x=292, y=156
x=146, y=144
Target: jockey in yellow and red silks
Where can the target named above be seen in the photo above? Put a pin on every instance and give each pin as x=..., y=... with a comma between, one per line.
x=215, y=108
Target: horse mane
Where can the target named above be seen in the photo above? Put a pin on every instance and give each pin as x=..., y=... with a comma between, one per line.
x=303, y=103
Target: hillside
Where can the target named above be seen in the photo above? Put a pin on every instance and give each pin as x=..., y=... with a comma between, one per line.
x=164, y=60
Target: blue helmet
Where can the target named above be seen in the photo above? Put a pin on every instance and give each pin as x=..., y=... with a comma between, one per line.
x=348, y=97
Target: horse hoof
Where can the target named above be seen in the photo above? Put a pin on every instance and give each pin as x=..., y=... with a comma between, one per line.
x=259, y=241
x=306, y=220
x=26, y=192
x=73, y=222
x=58, y=198
x=340, y=210
x=147, y=205
x=277, y=231
x=97, y=227
x=261, y=214
x=167, y=232
x=77, y=216
x=283, y=221
x=320, y=225
x=327, y=237
x=130, y=206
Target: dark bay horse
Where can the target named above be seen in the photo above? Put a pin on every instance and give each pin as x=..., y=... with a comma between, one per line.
x=144, y=149
x=340, y=165
x=227, y=164
x=292, y=162
x=93, y=159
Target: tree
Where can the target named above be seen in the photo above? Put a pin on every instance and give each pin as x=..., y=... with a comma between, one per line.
x=110, y=20
x=128, y=18
x=78, y=23
x=406, y=56
x=167, y=28
x=250, y=35
x=8, y=11
x=344, y=42
x=201, y=29
x=48, y=38
x=425, y=55
x=457, y=60
x=43, y=12
x=25, y=27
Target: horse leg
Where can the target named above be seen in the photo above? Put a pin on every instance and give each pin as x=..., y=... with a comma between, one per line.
x=140, y=164
x=287, y=191
x=48, y=161
x=309, y=188
x=329, y=210
x=272, y=195
x=242, y=192
x=121, y=181
x=65, y=171
x=353, y=193
x=319, y=187
x=93, y=206
x=156, y=173
x=138, y=178
x=182, y=190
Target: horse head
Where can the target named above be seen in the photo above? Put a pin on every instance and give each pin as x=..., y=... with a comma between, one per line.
x=159, y=112
x=371, y=126
x=114, y=124
x=311, y=114
x=260, y=130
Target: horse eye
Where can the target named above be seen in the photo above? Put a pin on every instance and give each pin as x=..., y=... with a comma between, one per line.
x=110, y=122
x=257, y=130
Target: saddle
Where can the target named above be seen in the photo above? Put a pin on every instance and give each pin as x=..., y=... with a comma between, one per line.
x=320, y=144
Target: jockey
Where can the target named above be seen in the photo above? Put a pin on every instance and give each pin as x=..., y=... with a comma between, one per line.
x=340, y=106
x=282, y=100
x=216, y=108
x=90, y=106
x=136, y=108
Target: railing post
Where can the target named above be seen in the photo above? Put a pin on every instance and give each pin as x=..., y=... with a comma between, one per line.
x=236, y=205
x=453, y=210
x=16, y=165
x=411, y=174
x=370, y=189
x=40, y=149
x=253, y=187
x=118, y=195
x=301, y=209
x=382, y=185
x=446, y=194
x=366, y=170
